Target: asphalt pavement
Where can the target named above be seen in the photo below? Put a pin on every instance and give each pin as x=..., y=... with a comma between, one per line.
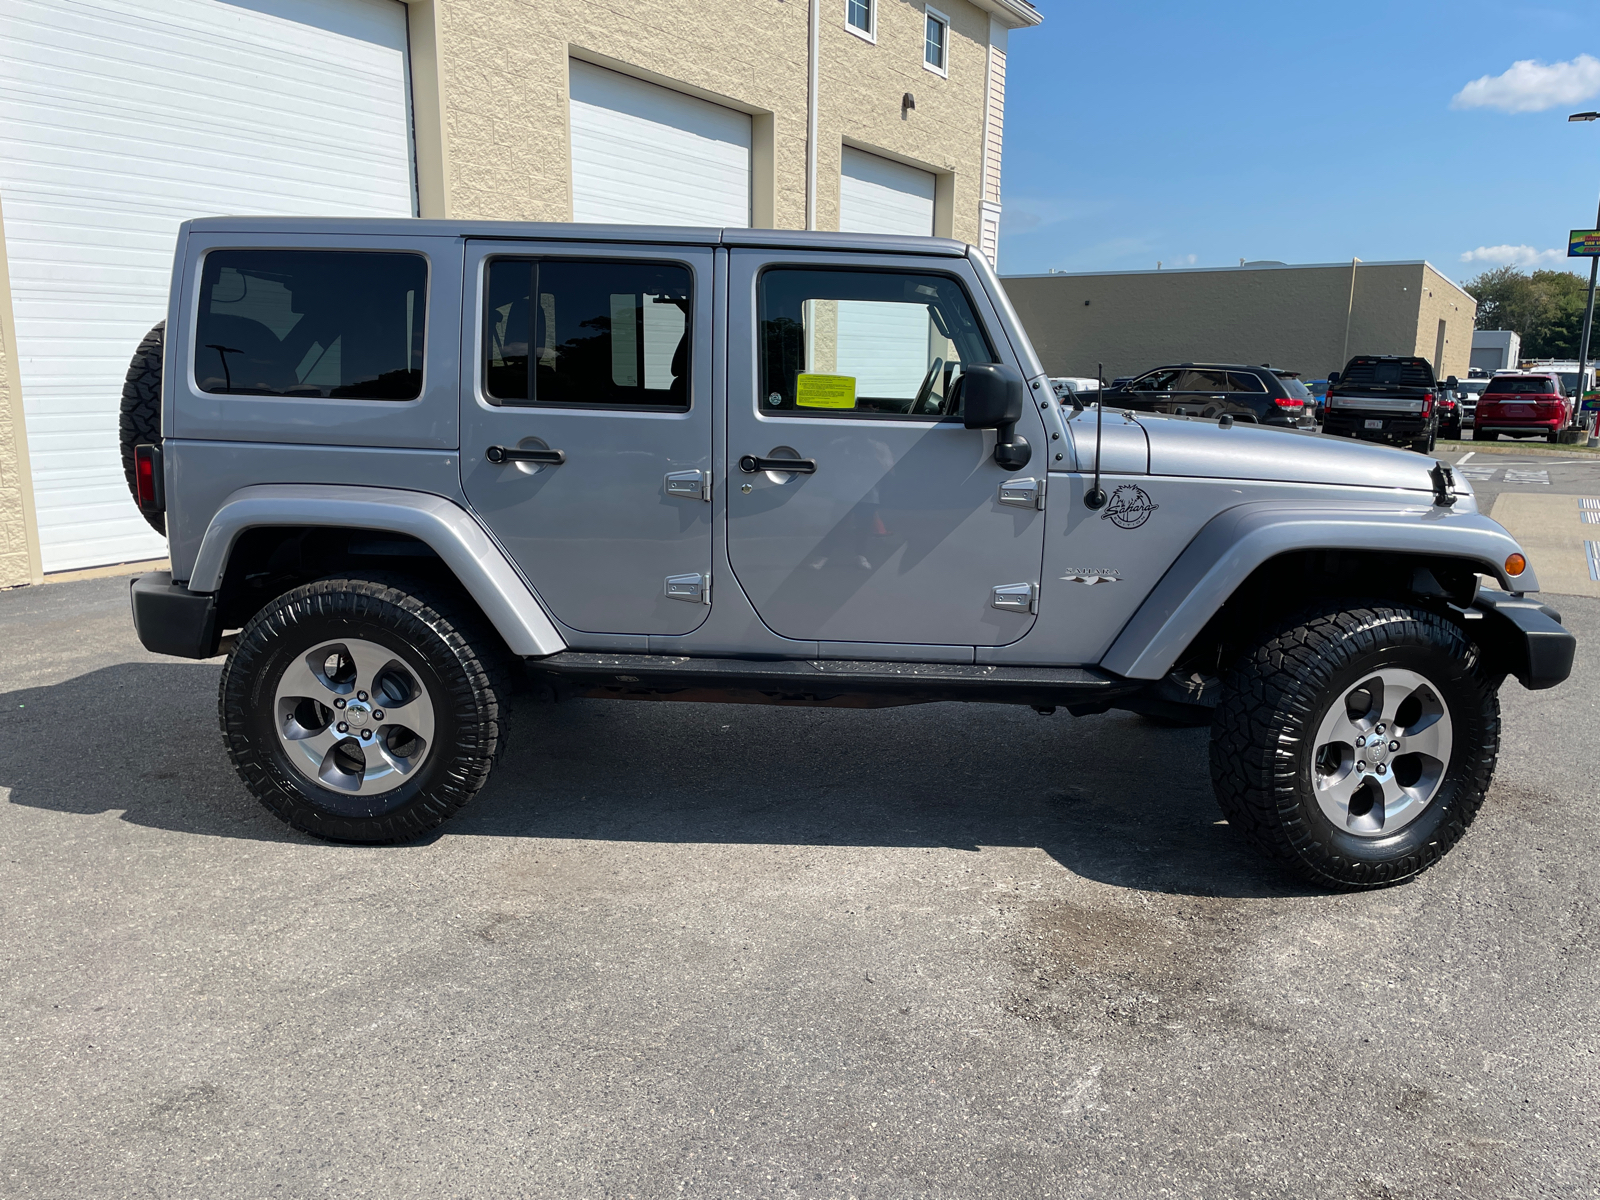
x=687, y=950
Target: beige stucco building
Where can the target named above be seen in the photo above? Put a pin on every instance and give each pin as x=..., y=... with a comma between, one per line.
x=1304, y=318
x=825, y=114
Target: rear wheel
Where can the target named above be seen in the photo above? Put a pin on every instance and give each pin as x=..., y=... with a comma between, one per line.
x=364, y=710
x=1355, y=745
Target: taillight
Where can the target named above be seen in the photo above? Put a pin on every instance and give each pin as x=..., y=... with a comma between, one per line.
x=1288, y=402
x=147, y=481
x=1427, y=405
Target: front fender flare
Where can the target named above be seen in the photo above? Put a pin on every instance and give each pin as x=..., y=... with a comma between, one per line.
x=1238, y=540
x=448, y=529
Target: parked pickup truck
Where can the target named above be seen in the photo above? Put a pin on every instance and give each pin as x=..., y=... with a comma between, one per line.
x=1385, y=398
x=401, y=463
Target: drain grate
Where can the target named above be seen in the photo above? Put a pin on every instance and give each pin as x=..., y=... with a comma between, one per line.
x=1589, y=503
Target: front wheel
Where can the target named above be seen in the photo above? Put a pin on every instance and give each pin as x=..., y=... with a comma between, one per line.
x=1355, y=746
x=363, y=710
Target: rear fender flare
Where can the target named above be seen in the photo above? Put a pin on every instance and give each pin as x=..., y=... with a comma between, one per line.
x=1235, y=542
x=449, y=530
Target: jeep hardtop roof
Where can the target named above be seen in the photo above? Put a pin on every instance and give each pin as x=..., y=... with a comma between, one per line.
x=679, y=235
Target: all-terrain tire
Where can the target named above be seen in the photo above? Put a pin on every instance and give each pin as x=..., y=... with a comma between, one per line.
x=140, y=418
x=1273, y=701
x=440, y=639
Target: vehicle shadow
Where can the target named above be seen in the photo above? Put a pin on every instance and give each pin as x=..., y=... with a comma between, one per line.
x=1111, y=798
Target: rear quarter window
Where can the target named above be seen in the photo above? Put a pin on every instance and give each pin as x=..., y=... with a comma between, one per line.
x=325, y=324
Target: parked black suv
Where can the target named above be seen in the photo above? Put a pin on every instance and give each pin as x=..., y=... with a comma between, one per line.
x=1386, y=398
x=1259, y=394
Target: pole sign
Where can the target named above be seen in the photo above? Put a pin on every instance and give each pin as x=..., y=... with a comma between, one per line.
x=1583, y=243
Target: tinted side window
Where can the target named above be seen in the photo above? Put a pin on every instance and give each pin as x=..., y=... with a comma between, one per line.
x=840, y=343
x=1201, y=381
x=1156, y=381
x=599, y=333
x=326, y=323
x=1239, y=381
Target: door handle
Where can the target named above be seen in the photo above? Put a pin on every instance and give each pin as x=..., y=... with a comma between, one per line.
x=505, y=454
x=750, y=464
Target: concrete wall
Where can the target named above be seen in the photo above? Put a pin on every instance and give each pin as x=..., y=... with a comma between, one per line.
x=496, y=130
x=1292, y=317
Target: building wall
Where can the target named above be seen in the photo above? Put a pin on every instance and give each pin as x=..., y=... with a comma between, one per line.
x=490, y=113
x=502, y=67
x=1292, y=317
x=19, y=546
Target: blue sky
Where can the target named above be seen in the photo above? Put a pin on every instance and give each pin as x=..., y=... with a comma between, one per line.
x=1197, y=135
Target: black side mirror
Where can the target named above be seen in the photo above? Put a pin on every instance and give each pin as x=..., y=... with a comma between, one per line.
x=992, y=397
x=1451, y=383
x=1333, y=378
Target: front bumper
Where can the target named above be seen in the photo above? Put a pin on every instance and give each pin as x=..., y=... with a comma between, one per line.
x=1524, y=637
x=170, y=619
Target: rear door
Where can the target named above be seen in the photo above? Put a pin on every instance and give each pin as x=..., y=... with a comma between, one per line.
x=899, y=534
x=586, y=426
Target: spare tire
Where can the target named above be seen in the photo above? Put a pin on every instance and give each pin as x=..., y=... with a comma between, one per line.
x=141, y=411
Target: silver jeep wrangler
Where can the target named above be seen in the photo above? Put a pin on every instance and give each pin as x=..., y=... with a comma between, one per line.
x=406, y=465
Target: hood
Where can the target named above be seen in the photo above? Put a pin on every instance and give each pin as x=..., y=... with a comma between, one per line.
x=1201, y=448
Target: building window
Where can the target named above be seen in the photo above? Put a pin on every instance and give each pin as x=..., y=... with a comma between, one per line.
x=860, y=18
x=936, y=43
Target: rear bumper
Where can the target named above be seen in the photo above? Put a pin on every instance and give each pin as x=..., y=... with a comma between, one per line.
x=1501, y=426
x=170, y=619
x=1524, y=637
x=1395, y=426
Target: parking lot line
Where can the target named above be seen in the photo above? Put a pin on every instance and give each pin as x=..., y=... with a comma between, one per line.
x=1551, y=530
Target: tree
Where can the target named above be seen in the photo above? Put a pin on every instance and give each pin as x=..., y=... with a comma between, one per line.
x=1544, y=308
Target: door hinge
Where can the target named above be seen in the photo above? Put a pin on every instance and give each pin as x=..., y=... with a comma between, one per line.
x=689, y=483
x=692, y=589
x=1023, y=493
x=1016, y=597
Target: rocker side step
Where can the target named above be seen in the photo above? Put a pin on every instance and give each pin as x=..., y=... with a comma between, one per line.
x=821, y=681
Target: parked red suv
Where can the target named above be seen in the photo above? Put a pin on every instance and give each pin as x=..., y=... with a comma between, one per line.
x=1520, y=405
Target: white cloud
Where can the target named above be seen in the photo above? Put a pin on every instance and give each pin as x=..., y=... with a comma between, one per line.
x=1532, y=86
x=1521, y=256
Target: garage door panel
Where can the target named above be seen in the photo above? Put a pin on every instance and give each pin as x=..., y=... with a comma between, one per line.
x=119, y=119
x=643, y=154
x=877, y=195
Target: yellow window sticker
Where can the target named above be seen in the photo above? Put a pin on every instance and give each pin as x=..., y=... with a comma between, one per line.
x=825, y=391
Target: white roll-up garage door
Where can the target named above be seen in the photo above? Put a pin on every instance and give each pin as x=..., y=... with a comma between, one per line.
x=647, y=155
x=877, y=195
x=118, y=120
x=883, y=345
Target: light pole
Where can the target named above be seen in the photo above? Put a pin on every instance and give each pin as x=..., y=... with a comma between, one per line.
x=1588, y=312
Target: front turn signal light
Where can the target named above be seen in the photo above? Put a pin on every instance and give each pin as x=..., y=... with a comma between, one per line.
x=1515, y=565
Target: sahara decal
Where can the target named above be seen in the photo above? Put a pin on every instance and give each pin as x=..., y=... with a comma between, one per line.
x=1092, y=575
x=1130, y=507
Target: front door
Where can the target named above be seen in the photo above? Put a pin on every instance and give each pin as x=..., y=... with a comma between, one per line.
x=892, y=527
x=586, y=427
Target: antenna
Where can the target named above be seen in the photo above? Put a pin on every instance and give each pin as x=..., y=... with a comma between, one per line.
x=1095, y=497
